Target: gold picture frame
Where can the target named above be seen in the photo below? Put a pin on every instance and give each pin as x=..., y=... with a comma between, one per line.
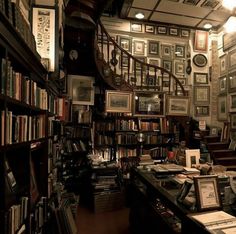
x=117, y=101
x=177, y=106
x=207, y=192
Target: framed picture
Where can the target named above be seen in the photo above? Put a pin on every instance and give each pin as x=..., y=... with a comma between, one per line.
x=139, y=47
x=153, y=48
x=162, y=30
x=136, y=27
x=167, y=64
x=232, y=59
x=43, y=22
x=207, y=192
x=179, y=51
x=155, y=62
x=223, y=65
x=138, y=65
x=232, y=82
x=200, y=78
x=202, y=111
x=124, y=61
x=201, y=41
x=222, y=110
x=149, y=103
x=201, y=95
x=233, y=121
x=185, y=33
x=173, y=31
x=166, y=51
x=223, y=84
x=166, y=84
x=210, y=4
x=177, y=106
x=232, y=105
x=229, y=40
x=214, y=131
x=179, y=68
x=192, y=157
x=191, y=2
x=117, y=101
x=125, y=43
x=81, y=89
x=149, y=28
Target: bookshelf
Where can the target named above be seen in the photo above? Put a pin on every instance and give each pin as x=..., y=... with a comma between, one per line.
x=31, y=131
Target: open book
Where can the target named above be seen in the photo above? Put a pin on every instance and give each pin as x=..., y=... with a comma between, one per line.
x=217, y=222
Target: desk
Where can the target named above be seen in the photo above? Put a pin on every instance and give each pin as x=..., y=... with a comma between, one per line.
x=154, y=208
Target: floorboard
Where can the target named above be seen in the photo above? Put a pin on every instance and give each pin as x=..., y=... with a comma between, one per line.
x=112, y=222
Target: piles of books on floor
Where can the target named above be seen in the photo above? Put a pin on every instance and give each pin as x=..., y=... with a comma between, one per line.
x=65, y=214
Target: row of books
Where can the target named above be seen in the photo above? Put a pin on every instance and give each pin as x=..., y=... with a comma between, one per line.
x=17, y=15
x=105, y=153
x=126, y=125
x=104, y=126
x=149, y=125
x=20, y=87
x=103, y=140
x=74, y=146
x=16, y=216
x=21, y=128
x=126, y=139
x=125, y=152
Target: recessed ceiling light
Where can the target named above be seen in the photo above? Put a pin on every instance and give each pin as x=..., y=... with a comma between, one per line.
x=139, y=15
x=207, y=26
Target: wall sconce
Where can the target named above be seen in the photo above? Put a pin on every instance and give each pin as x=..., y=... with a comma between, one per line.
x=230, y=25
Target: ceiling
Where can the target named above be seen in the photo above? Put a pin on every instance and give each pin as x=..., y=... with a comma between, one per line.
x=188, y=13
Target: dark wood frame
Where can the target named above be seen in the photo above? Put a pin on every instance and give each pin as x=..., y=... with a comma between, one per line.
x=132, y=29
x=153, y=48
x=151, y=99
x=202, y=76
x=197, y=99
x=129, y=42
x=202, y=111
x=223, y=84
x=207, y=183
x=151, y=28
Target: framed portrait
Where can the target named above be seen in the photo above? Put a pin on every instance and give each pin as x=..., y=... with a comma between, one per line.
x=125, y=43
x=185, y=33
x=207, y=192
x=233, y=121
x=136, y=27
x=43, y=22
x=166, y=51
x=232, y=82
x=202, y=111
x=162, y=30
x=223, y=84
x=149, y=103
x=223, y=65
x=179, y=51
x=139, y=47
x=201, y=41
x=153, y=48
x=222, y=111
x=232, y=103
x=177, y=106
x=201, y=95
x=81, y=89
x=192, y=157
x=117, y=101
x=149, y=28
x=232, y=59
x=167, y=64
x=179, y=67
x=200, y=78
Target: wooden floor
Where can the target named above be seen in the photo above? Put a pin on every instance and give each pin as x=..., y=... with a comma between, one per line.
x=112, y=222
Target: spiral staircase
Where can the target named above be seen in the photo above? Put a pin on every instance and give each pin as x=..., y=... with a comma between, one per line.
x=116, y=66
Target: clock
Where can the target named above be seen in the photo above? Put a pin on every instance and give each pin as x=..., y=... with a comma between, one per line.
x=73, y=54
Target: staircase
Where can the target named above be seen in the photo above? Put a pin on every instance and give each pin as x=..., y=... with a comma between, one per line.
x=122, y=71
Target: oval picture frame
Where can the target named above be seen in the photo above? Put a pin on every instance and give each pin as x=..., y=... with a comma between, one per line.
x=200, y=60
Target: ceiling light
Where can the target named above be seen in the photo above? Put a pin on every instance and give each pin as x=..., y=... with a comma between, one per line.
x=207, y=26
x=139, y=15
x=229, y=4
x=230, y=25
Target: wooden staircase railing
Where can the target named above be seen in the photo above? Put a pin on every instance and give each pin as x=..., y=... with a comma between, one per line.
x=122, y=71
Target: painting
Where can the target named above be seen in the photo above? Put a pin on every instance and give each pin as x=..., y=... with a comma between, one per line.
x=201, y=41
x=177, y=106
x=139, y=47
x=43, y=22
x=232, y=59
x=149, y=28
x=179, y=68
x=192, y=157
x=222, y=110
x=136, y=27
x=202, y=111
x=153, y=48
x=200, y=78
x=126, y=43
x=232, y=82
x=232, y=103
x=117, y=101
x=81, y=89
x=223, y=65
x=179, y=51
x=162, y=30
x=166, y=51
x=201, y=95
x=149, y=103
x=222, y=84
